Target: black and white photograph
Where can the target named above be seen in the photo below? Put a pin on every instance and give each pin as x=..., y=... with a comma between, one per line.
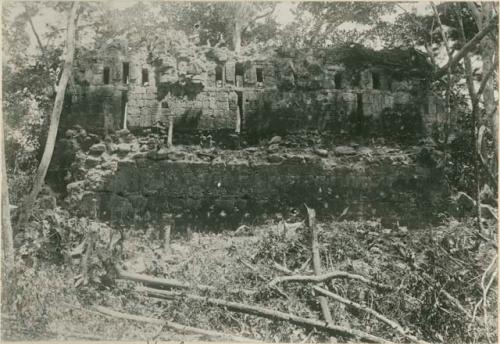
x=249, y=171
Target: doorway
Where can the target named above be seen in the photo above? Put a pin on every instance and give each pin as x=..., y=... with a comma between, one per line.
x=240, y=106
x=359, y=119
x=123, y=109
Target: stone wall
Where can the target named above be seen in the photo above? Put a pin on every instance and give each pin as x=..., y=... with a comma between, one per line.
x=142, y=106
x=215, y=109
x=305, y=90
x=233, y=192
x=98, y=109
x=323, y=110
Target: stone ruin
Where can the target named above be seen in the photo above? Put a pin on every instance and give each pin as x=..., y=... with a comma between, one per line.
x=124, y=93
x=281, y=90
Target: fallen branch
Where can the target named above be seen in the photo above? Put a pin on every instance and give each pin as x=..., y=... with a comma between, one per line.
x=281, y=268
x=453, y=300
x=305, y=265
x=171, y=283
x=316, y=261
x=278, y=267
x=328, y=276
x=174, y=326
x=252, y=267
x=85, y=336
x=268, y=313
x=262, y=278
x=371, y=311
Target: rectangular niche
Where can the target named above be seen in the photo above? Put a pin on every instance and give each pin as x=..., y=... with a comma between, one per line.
x=125, y=72
x=239, y=73
x=106, y=75
x=145, y=76
x=260, y=74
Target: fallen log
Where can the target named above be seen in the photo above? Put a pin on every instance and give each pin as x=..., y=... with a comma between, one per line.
x=326, y=277
x=316, y=261
x=269, y=314
x=371, y=311
x=155, y=281
x=171, y=283
x=174, y=326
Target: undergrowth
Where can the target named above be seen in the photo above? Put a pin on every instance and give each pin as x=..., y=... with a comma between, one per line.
x=419, y=265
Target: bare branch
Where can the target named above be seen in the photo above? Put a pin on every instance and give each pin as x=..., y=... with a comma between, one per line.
x=170, y=283
x=42, y=48
x=172, y=325
x=253, y=20
x=269, y=314
x=441, y=29
x=397, y=327
x=467, y=47
x=326, y=277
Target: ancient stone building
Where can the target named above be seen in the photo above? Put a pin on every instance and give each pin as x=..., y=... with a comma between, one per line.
x=283, y=90
x=346, y=89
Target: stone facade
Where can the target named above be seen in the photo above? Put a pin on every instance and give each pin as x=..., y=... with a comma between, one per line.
x=281, y=91
x=233, y=192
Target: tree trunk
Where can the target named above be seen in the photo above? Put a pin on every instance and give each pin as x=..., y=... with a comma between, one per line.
x=6, y=233
x=490, y=26
x=237, y=36
x=316, y=261
x=487, y=55
x=170, y=134
x=54, y=118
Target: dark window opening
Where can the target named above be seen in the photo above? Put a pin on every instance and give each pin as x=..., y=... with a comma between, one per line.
x=376, y=81
x=260, y=77
x=239, y=72
x=218, y=73
x=239, y=69
x=357, y=80
x=105, y=75
x=164, y=105
x=145, y=75
x=68, y=100
x=126, y=72
x=338, y=81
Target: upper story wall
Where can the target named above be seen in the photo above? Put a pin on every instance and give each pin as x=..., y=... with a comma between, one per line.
x=280, y=88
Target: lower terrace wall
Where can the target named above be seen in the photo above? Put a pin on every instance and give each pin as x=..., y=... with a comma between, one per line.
x=224, y=194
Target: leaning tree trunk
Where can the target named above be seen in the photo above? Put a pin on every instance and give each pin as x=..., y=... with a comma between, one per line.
x=6, y=233
x=54, y=118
